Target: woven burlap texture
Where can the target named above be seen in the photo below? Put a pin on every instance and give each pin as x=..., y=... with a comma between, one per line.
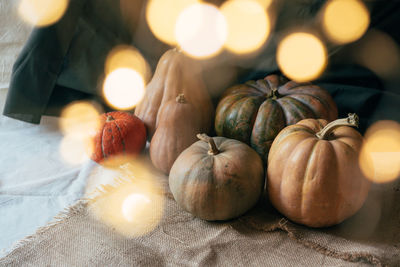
x=261, y=237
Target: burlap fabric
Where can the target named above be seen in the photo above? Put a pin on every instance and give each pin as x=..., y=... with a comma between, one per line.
x=261, y=237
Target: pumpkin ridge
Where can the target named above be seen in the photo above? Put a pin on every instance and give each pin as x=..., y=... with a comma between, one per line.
x=263, y=89
x=305, y=105
x=122, y=138
x=297, y=110
x=286, y=132
x=305, y=175
x=257, y=139
x=330, y=108
x=287, y=169
x=337, y=159
x=101, y=142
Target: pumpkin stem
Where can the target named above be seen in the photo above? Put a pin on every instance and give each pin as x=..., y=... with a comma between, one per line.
x=274, y=93
x=351, y=120
x=213, y=147
x=180, y=98
x=109, y=118
x=274, y=89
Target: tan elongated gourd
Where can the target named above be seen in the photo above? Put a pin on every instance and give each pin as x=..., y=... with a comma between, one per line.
x=178, y=124
x=313, y=176
x=175, y=74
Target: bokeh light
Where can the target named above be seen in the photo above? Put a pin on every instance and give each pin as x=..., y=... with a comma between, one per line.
x=248, y=25
x=380, y=53
x=123, y=88
x=264, y=3
x=80, y=119
x=162, y=15
x=134, y=205
x=124, y=56
x=380, y=154
x=74, y=150
x=301, y=56
x=201, y=30
x=42, y=13
x=345, y=20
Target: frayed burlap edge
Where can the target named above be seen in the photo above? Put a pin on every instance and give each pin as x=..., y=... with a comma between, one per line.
x=290, y=229
x=282, y=225
x=61, y=217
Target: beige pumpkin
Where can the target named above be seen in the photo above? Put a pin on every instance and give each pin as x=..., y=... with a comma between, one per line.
x=175, y=74
x=313, y=176
x=217, y=178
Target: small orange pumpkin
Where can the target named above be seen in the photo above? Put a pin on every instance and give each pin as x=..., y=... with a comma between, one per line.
x=120, y=132
x=313, y=175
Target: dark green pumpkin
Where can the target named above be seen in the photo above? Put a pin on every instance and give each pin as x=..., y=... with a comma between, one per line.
x=255, y=112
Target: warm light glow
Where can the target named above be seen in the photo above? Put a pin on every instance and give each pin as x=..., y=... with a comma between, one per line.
x=345, y=20
x=248, y=25
x=301, y=56
x=162, y=15
x=380, y=155
x=42, y=12
x=127, y=57
x=75, y=150
x=80, y=119
x=380, y=53
x=201, y=30
x=134, y=205
x=123, y=88
x=264, y=3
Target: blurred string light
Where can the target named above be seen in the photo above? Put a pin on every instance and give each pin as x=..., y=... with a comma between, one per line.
x=42, y=13
x=123, y=88
x=301, y=56
x=380, y=53
x=380, y=154
x=345, y=21
x=124, y=56
x=79, y=121
x=134, y=205
x=201, y=30
x=162, y=15
x=75, y=150
x=248, y=25
x=264, y=3
x=127, y=72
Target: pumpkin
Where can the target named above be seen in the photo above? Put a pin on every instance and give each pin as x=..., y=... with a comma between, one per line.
x=255, y=112
x=175, y=74
x=313, y=173
x=178, y=123
x=217, y=178
x=119, y=133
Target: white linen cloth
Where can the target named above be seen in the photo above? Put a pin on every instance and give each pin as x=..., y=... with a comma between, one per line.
x=35, y=182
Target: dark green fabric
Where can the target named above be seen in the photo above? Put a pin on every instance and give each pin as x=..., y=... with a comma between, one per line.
x=65, y=62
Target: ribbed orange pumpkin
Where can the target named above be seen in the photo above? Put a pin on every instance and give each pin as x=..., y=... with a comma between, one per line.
x=120, y=133
x=313, y=175
x=256, y=111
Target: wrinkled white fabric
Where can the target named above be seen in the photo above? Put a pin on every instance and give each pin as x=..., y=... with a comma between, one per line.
x=35, y=182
